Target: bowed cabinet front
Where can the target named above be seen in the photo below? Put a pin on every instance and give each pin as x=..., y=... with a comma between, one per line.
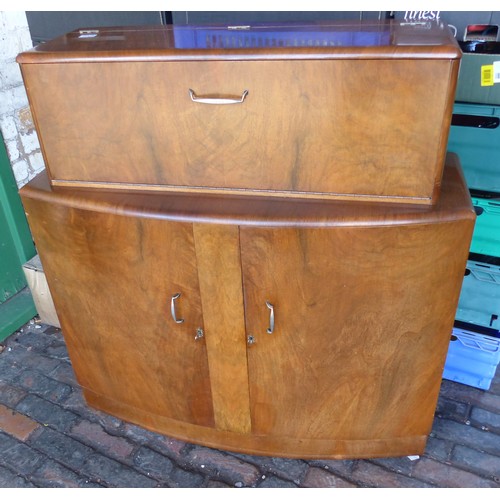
x=263, y=326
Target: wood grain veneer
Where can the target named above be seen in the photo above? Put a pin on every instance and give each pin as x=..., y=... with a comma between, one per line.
x=107, y=275
x=364, y=297
x=362, y=327
x=362, y=123
x=454, y=203
x=219, y=271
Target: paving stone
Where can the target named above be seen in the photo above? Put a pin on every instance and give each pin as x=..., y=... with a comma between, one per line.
x=13, y=362
x=54, y=475
x=374, y=476
x=115, y=474
x=9, y=479
x=9, y=369
x=58, y=352
x=153, y=463
x=286, y=468
x=180, y=478
x=402, y=465
x=223, y=466
x=486, y=419
x=438, y=449
x=467, y=435
x=94, y=435
x=47, y=413
x=60, y=447
x=6, y=442
x=455, y=410
x=37, y=383
x=216, y=484
x=16, y=424
x=275, y=482
x=342, y=468
x=471, y=395
x=321, y=478
x=26, y=459
x=36, y=339
x=10, y=395
x=448, y=476
x=495, y=384
x=482, y=463
x=172, y=448
x=64, y=373
x=77, y=404
x=53, y=330
x=162, y=468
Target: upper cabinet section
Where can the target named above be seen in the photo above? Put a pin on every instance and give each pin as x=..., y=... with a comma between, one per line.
x=348, y=111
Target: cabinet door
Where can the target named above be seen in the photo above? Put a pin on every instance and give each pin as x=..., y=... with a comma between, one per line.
x=112, y=278
x=363, y=318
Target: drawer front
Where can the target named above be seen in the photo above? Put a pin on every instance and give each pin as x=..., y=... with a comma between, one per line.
x=336, y=127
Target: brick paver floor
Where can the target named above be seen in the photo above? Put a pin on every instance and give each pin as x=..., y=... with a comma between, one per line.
x=50, y=438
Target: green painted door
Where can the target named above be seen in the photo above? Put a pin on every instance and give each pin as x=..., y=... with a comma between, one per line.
x=16, y=247
x=11, y=275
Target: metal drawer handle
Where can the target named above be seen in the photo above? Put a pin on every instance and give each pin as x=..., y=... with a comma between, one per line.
x=217, y=100
x=271, y=318
x=172, y=308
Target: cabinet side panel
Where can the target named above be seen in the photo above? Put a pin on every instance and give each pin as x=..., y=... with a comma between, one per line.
x=219, y=271
x=363, y=318
x=111, y=278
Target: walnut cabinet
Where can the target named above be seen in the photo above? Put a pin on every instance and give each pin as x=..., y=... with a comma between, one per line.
x=299, y=328
x=249, y=232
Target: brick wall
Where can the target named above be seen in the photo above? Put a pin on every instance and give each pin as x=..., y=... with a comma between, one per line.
x=16, y=123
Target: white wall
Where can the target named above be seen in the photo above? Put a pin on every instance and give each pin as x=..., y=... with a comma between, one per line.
x=16, y=122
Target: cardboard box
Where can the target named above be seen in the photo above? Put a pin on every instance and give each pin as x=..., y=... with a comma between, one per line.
x=37, y=283
x=471, y=79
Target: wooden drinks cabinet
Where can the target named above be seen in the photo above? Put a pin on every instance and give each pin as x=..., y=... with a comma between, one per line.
x=284, y=325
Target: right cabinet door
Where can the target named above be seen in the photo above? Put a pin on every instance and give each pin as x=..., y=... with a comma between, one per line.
x=362, y=321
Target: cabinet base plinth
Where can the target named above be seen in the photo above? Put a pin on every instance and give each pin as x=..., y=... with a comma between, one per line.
x=276, y=446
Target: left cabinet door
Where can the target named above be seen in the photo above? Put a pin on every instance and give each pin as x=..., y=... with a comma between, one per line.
x=112, y=278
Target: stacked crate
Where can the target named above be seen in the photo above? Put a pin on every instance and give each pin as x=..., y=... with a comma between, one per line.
x=474, y=351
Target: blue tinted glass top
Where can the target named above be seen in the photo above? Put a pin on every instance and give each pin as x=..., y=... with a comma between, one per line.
x=264, y=36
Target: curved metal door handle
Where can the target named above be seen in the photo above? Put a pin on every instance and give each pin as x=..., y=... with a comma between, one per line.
x=271, y=318
x=172, y=308
x=217, y=100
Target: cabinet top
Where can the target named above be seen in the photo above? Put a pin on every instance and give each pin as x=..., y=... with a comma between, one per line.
x=320, y=40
